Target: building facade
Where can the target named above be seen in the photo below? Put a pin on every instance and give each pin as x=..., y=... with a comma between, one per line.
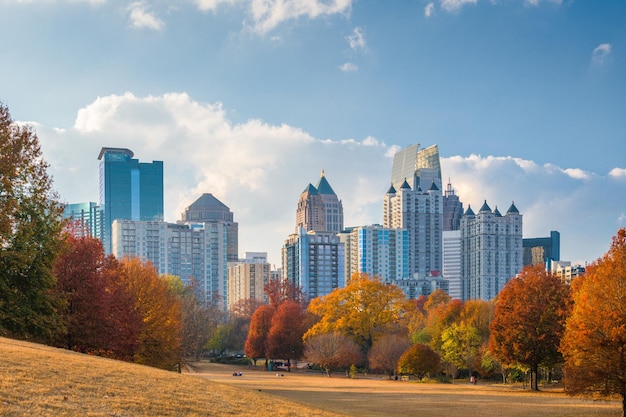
x=87, y=219
x=314, y=261
x=452, y=209
x=452, y=262
x=319, y=208
x=129, y=189
x=418, y=167
x=420, y=213
x=247, y=278
x=376, y=251
x=542, y=250
x=491, y=251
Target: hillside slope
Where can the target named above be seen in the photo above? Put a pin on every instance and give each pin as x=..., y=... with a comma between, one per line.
x=37, y=380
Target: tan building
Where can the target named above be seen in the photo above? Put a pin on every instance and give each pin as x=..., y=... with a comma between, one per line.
x=319, y=208
x=246, y=279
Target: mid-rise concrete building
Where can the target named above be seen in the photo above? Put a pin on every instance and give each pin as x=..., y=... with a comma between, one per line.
x=247, y=278
x=565, y=270
x=491, y=251
x=452, y=262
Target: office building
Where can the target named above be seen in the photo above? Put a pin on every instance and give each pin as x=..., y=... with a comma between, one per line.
x=452, y=262
x=247, y=278
x=491, y=251
x=129, y=189
x=415, y=287
x=319, y=208
x=452, y=209
x=314, y=261
x=418, y=167
x=376, y=251
x=87, y=219
x=542, y=250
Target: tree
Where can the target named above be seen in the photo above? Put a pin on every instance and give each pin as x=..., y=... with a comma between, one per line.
x=365, y=309
x=419, y=360
x=259, y=329
x=284, y=339
x=386, y=352
x=159, y=307
x=195, y=321
x=281, y=290
x=460, y=345
x=594, y=343
x=30, y=235
x=529, y=320
x=331, y=351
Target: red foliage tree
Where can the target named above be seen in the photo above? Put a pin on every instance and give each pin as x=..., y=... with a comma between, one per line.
x=260, y=325
x=529, y=320
x=279, y=290
x=284, y=339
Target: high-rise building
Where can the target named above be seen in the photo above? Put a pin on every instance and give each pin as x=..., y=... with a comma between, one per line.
x=418, y=167
x=319, y=208
x=208, y=209
x=452, y=262
x=314, y=261
x=452, y=209
x=491, y=251
x=87, y=219
x=129, y=189
x=377, y=251
x=420, y=213
x=542, y=250
x=247, y=278
x=196, y=250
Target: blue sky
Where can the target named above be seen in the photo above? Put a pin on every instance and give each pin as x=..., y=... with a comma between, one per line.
x=251, y=99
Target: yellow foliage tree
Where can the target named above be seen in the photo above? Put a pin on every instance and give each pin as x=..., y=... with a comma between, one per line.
x=160, y=310
x=363, y=310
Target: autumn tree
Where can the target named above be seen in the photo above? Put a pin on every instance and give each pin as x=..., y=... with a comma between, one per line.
x=30, y=231
x=419, y=360
x=594, y=343
x=195, y=321
x=364, y=310
x=529, y=320
x=159, y=307
x=331, y=351
x=284, y=339
x=386, y=352
x=259, y=329
x=281, y=290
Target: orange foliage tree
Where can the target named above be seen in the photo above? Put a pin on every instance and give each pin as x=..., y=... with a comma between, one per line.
x=364, y=310
x=160, y=310
x=419, y=360
x=529, y=320
x=260, y=325
x=594, y=344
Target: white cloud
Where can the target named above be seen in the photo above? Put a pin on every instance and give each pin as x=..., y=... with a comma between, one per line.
x=601, y=53
x=429, y=9
x=212, y=5
x=141, y=18
x=259, y=170
x=356, y=40
x=268, y=14
x=454, y=5
x=349, y=67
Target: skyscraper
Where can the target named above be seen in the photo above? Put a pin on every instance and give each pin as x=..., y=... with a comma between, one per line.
x=420, y=213
x=88, y=219
x=491, y=251
x=452, y=209
x=542, y=250
x=418, y=167
x=319, y=208
x=129, y=190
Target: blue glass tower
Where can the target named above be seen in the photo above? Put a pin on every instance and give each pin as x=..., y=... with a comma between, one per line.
x=129, y=189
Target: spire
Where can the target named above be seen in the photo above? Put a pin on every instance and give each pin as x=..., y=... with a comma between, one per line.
x=497, y=212
x=405, y=184
x=469, y=211
x=485, y=207
x=323, y=186
x=512, y=209
x=310, y=189
x=392, y=190
x=433, y=187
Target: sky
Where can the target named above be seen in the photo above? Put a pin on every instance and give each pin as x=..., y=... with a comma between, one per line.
x=251, y=99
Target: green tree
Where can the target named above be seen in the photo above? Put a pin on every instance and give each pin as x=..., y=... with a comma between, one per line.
x=594, y=344
x=529, y=320
x=365, y=309
x=30, y=231
x=460, y=345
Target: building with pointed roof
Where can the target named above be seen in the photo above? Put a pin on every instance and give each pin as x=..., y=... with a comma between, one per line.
x=491, y=251
x=418, y=167
x=319, y=208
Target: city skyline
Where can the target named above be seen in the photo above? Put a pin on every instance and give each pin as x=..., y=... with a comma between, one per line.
x=249, y=101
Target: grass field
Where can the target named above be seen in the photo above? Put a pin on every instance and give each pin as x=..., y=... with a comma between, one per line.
x=41, y=381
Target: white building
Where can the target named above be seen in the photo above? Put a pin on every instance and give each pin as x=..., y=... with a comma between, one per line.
x=565, y=270
x=491, y=251
x=452, y=262
x=247, y=278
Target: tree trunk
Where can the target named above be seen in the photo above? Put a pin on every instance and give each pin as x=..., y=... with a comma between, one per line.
x=534, y=373
x=624, y=404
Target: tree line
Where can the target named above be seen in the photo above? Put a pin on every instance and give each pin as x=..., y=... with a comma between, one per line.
x=58, y=287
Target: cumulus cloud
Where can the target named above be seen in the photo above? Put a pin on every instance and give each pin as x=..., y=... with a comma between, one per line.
x=349, y=67
x=601, y=53
x=260, y=169
x=454, y=5
x=141, y=18
x=268, y=14
x=356, y=40
x=212, y=5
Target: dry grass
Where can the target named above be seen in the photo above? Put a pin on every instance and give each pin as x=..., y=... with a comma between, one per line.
x=37, y=380
x=376, y=396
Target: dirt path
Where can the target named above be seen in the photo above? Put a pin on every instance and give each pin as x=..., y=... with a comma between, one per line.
x=366, y=397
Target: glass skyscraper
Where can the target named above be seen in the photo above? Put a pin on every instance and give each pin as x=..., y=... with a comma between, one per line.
x=129, y=189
